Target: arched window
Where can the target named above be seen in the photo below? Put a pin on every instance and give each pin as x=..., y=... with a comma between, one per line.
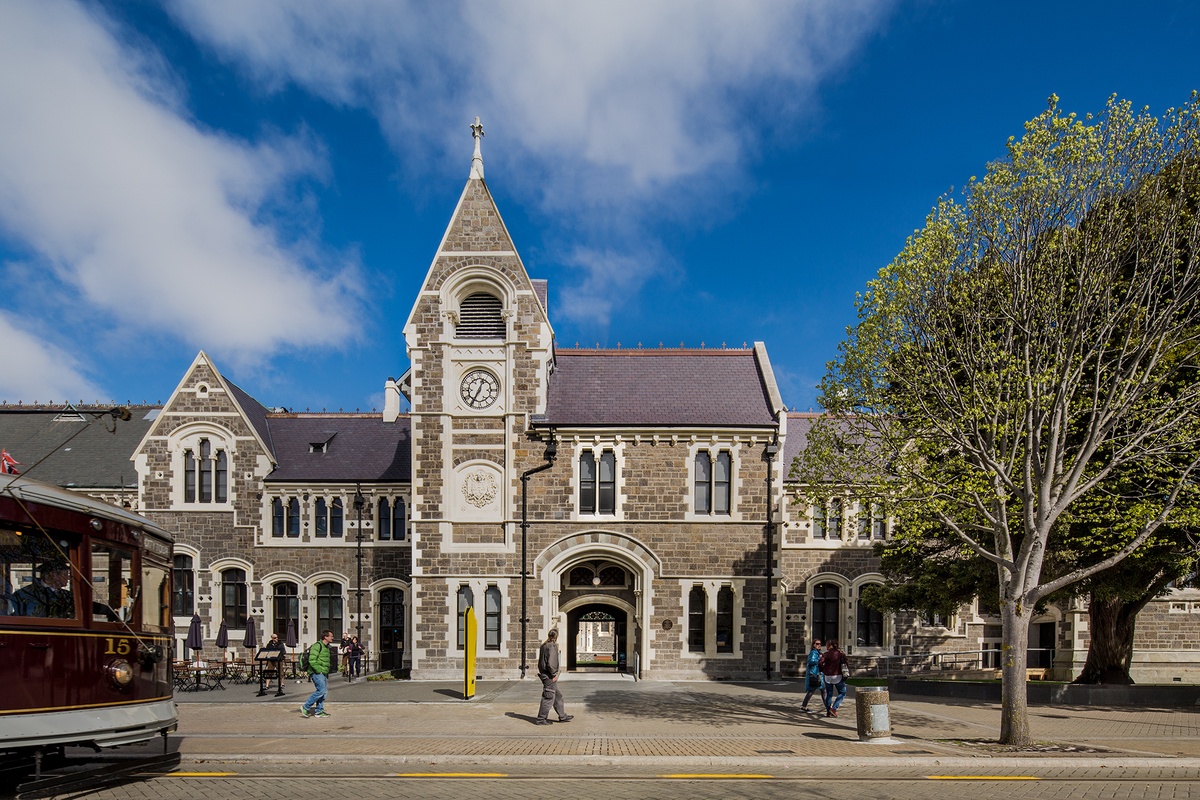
x=466, y=599
x=385, y=519
x=697, y=614
x=337, y=518
x=480, y=317
x=183, y=596
x=399, y=527
x=835, y=518
x=870, y=625
x=233, y=597
x=491, y=619
x=825, y=609
x=285, y=607
x=221, y=487
x=322, y=522
x=189, y=476
x=205, y=474
x=329, y=608
x=206, y=471
x=819, y=530
x=725, y=620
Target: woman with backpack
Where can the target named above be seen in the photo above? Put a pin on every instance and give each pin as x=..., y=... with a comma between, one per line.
x=835, y=669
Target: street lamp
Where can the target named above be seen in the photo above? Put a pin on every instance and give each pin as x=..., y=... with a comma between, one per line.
x=769, y=453
x=359, y=502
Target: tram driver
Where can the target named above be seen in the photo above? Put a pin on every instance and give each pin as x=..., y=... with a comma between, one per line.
x=49, y=595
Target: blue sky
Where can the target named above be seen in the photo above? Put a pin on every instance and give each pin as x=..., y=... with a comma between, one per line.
x=268, y=181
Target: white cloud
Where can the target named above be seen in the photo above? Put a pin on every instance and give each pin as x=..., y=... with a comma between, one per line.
x=153, y=221
x=611, y=113
x=32, y=369
x=654, y=90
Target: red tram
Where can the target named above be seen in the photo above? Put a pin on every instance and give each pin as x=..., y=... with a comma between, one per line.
x=85, y=622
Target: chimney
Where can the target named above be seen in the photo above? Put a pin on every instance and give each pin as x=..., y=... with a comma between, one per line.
x=391, y=400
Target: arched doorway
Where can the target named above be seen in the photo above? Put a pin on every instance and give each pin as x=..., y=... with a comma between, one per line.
x=597, y=638
x=391, y=629
x=600, y=571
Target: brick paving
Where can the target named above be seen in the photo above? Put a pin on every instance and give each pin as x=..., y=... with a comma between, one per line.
x=701, y=722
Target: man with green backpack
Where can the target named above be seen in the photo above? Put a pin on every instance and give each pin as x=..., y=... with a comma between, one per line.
x=318, y=664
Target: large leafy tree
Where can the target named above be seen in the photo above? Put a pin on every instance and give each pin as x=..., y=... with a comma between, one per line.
x=1034, y=340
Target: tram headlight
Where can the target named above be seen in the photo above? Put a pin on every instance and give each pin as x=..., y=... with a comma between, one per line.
x=120, y=672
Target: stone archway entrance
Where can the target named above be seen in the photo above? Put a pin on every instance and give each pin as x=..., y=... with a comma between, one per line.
x=597, y=638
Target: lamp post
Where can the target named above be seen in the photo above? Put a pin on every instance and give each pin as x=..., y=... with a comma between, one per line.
x=359, y=502
x=550, y=454
x=769, y=453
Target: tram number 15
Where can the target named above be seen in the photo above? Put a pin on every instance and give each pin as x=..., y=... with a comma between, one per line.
x=120, y=647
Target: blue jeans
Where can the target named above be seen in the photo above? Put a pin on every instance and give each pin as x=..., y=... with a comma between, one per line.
x=316, y=701
x=840, y=686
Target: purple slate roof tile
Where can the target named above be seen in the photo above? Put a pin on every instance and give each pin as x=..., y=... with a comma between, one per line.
x=798, y=426
x=722, y=388
x=256, y=415
x=359, y=448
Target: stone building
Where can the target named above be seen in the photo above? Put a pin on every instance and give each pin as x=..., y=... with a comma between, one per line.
x=641, y=495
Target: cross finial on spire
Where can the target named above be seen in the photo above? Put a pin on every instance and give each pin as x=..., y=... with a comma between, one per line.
x=477, y=159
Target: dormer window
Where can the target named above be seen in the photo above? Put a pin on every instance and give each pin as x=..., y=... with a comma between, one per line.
x=480, y=317
x=322, y=445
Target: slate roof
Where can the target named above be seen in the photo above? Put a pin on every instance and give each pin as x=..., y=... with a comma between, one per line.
x=798, y=426
x=256, y=415
x=658, y=388
x=91, y=454
x=359, y=448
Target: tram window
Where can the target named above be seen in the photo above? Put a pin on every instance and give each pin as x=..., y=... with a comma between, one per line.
x=114, y=585
x=37, y=579
x=156, y=608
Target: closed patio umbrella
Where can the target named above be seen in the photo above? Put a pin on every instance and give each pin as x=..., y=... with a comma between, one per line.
x=195, y=636
x=250, y=640
x=195, y=642
x=290, y=638
x=222, y=638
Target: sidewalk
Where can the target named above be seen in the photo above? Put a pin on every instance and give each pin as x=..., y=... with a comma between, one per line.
x=621, y=721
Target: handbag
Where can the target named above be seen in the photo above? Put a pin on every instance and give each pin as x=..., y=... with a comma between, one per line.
x=845, y=670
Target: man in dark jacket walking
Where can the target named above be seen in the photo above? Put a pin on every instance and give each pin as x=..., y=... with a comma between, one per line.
x=548, y=671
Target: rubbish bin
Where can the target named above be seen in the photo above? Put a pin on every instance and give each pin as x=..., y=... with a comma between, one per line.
x=872, y=713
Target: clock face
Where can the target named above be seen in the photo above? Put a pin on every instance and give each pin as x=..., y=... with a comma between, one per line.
x=479, y=388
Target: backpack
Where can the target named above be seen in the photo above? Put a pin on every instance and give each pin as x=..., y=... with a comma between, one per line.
x=304, y=667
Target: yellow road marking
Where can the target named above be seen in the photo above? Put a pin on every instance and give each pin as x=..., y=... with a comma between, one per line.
x=198, y=774
x=451, y=775
x=715, y=776
x=982, y=777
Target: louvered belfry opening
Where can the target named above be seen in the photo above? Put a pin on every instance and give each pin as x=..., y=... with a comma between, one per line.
x=479, y=317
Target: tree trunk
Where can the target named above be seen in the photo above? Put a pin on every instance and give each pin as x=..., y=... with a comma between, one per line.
x=1014, y=700
x=1111, y=623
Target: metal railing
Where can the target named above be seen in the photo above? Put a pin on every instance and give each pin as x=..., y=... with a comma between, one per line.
x=935, y=662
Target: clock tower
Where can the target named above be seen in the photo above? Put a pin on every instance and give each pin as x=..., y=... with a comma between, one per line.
x=480, y=347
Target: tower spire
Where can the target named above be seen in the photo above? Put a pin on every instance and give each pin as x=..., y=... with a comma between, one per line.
x=477, y=159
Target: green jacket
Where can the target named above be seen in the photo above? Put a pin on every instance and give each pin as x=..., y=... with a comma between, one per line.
x=318, y=658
